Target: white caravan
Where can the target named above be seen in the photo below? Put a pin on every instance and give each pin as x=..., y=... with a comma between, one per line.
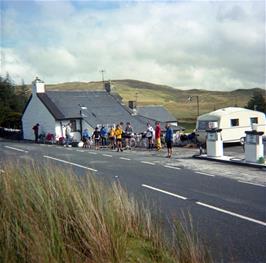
x=233, y=121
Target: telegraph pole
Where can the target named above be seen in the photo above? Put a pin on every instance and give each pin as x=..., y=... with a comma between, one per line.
x=102, y=71
x=197, y=98
x=197, y=105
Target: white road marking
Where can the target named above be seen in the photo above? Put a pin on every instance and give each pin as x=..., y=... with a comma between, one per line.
x=232, y=214
x=208, y=206
x=81, y=151
x=16, y=149
x=74, y=164
x=172, y=167
x=58, y=147
x=92, y=153
x=107, y=155
x=123, y=158
x=147, y=162
x=163, y=191
x=251, y=183
x=205, y=174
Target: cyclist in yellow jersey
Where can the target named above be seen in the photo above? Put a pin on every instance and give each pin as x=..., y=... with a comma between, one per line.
x=112, y=137
x=118, y=135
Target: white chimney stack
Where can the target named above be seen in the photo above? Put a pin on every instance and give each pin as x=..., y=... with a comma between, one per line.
x=38, y=86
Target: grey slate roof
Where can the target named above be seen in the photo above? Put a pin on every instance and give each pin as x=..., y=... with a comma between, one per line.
x=156, y=113
x=51, y=106
x=102, y=108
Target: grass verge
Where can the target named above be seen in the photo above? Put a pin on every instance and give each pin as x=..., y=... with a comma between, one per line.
x=51, y=215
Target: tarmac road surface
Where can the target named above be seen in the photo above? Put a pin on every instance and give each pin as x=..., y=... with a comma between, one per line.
x=228, y=209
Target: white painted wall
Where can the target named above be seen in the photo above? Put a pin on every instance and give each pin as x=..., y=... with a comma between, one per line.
x=36, y=112
x=38, y=86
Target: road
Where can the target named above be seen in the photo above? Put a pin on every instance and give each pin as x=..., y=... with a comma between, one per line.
x=229, y=214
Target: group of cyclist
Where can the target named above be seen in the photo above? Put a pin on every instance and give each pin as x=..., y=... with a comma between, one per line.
x=104, y=137
x=120, y=138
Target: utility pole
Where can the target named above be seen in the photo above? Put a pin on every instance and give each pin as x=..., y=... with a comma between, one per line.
x=197, y=98
x=197, y=105
x=102, y=71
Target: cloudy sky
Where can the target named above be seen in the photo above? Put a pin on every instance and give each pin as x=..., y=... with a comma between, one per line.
x=215, y=45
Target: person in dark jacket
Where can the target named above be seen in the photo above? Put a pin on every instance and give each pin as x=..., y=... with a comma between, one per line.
x=36, y=131
x=169, y=140
x=96, y=136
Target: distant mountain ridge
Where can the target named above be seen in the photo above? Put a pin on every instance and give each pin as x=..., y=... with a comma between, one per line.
x=175, y=100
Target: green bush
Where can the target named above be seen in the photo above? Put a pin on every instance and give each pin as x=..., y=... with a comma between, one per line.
x=261, y=160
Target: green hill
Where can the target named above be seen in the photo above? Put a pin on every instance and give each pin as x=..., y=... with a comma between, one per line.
x=175, y=100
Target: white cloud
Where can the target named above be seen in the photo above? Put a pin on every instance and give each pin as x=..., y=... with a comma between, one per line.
x=207, y=45
x=12, y=63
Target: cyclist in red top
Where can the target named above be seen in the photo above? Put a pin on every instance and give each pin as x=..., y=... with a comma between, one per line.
x=158, y=136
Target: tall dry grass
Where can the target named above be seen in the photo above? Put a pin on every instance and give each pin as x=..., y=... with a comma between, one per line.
x=51, y=215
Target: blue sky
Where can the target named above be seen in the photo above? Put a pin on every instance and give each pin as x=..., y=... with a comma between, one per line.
x=215, y=45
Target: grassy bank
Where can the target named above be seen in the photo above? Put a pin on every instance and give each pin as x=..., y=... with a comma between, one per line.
x=190, y=126
x=50, y=215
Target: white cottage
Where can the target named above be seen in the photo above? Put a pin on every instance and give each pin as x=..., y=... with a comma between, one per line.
x=83, y=109
x=40, y=109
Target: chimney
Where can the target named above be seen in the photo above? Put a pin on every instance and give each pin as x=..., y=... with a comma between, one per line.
x=132, y=104
x=38, y=86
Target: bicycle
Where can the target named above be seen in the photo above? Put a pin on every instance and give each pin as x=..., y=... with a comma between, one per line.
x=138, y=141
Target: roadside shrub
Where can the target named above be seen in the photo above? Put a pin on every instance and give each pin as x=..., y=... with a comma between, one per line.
x=51, y=215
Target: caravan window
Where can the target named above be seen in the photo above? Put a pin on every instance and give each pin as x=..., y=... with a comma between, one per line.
x=254, y=120
x=234, y=122
x=204, y=125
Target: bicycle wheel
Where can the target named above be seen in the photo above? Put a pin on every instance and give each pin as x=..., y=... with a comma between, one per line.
x=132, y=143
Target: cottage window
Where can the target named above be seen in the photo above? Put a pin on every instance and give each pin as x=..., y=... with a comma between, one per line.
x=73, y=125
x=234, y=122
x=254, y=120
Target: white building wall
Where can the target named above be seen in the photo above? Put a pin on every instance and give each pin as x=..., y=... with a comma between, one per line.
x=58, y=130
x=36, y=112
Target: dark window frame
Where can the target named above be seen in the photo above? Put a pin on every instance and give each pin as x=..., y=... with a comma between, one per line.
x=73, y=125
x=204, y=124
x=234, y=122
x=254, y=120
